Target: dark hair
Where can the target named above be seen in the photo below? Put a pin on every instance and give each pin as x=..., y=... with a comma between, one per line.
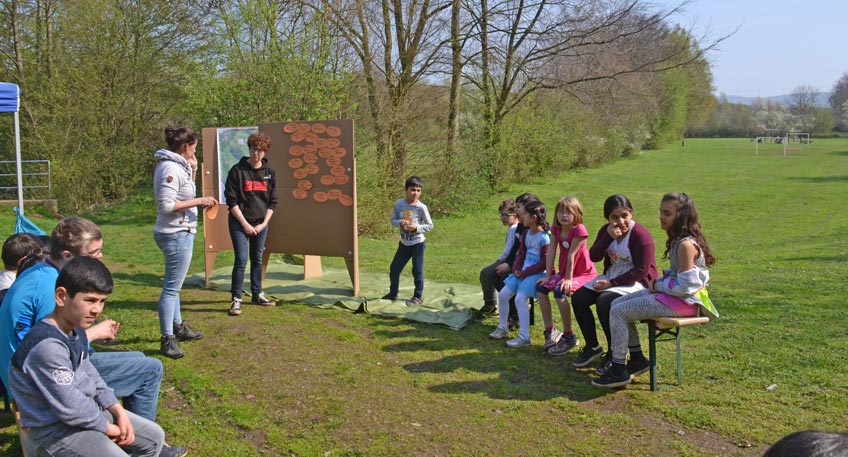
x=20, y=246
x=72, y=234
x=686, y=223
x=85, y=274
x=537, y=209
x=413, y=181
x=507, y=206
x=810, y=443
x=178, y=137
x=525, y=198
x=259, y=140
x=613, y=202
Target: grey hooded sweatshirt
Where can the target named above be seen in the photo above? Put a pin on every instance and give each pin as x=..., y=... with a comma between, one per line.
x=172, y=182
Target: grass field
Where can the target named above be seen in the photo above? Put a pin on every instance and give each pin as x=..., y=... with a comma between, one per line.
x=295, y=380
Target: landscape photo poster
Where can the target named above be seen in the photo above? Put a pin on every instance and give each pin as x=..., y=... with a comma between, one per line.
x=232, y=146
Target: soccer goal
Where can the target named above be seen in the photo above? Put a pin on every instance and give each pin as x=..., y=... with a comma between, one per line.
x=784, y=140
x=799, y=137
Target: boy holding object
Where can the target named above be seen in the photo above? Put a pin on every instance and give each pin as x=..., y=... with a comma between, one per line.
x=413, y=218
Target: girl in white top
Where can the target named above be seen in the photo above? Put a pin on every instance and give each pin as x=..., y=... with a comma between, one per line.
x=674, y=294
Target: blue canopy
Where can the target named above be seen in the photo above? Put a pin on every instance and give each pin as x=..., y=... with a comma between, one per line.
x=10, y=101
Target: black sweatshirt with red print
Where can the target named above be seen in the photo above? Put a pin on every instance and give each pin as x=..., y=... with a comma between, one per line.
x=254, y=190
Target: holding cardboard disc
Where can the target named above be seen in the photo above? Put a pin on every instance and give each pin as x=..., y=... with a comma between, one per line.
x=212, y=211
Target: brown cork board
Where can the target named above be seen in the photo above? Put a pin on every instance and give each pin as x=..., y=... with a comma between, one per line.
x=316, y=188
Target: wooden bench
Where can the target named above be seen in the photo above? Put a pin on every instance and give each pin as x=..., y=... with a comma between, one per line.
x=667, y=326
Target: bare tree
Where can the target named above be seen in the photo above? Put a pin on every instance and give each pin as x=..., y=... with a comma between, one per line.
x=528, y=45
x=398, y=43
x=802, y=105
x=839, y=102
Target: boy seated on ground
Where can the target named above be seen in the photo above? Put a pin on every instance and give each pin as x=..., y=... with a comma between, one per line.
x=16, y=248
x=63, y=401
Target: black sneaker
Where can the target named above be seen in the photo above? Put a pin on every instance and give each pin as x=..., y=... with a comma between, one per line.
x=587, y=355
x=183, y=333
x=169, y=348
x=485, y=312
x=615, y=376
x=606, y=363
x=261, y=299
x=512, y=322
x=638, y=365
x=565, y=344
x=389, y=297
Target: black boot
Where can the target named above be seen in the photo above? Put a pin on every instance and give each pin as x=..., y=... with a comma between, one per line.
x=169, y=347
x=183, y=333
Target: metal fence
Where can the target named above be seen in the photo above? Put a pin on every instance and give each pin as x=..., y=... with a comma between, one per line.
x=35, y=177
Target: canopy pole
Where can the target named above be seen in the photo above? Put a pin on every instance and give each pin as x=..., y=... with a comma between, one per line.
x=18, y=161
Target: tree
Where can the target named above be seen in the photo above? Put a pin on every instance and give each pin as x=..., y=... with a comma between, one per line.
x=101, y=81
x=525, y=46
x=269, y=58
x=802, y=104
x=839, y=102
x=398, y=43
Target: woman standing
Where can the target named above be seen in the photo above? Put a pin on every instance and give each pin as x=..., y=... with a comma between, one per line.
x=176, y=226
x=251, y=195
x=627, y=250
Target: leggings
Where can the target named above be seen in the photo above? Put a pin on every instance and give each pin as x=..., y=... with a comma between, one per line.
x=625, y=312
x=581, y=303
x=520, y=305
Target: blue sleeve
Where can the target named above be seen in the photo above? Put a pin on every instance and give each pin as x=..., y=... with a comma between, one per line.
x=43, y=303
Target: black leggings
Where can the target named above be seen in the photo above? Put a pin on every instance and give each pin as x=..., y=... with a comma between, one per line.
x=581, y=303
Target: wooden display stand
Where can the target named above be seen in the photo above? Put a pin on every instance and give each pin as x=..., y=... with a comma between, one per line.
x=316, y=189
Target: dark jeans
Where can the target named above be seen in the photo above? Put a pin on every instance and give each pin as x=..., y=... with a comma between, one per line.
x=402, y=256
x=581, y=303
x=491, y=282
x=243, y=244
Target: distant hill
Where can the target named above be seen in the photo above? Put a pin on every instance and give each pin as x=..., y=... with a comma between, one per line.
x=821, y=99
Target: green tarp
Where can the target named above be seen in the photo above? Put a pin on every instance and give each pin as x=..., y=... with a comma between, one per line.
x=450, y=305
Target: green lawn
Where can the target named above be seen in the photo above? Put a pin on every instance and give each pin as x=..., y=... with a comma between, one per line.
x=295, y=380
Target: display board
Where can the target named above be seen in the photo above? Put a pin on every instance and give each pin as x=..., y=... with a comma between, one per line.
x=316, y=188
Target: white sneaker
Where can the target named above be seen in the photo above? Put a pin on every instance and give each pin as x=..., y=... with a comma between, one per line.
x=552, y=338
x=518, y=342
x=499, y=333
x=235, y=307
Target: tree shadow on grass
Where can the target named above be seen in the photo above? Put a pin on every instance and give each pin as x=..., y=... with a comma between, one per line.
x=141, y=279
x=520, y=374
x=839, y=153
x=193, y=305
x=821, y=179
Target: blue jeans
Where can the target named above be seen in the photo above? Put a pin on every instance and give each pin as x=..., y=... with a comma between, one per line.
x=244, y=245
x=149, y=438
x=177, y=248
x=402, y=256
x=134, y=377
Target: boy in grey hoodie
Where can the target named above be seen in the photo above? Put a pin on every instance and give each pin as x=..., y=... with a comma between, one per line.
x=66, y=406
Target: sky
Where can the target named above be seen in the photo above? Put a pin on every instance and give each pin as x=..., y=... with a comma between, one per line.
x=779, y=46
